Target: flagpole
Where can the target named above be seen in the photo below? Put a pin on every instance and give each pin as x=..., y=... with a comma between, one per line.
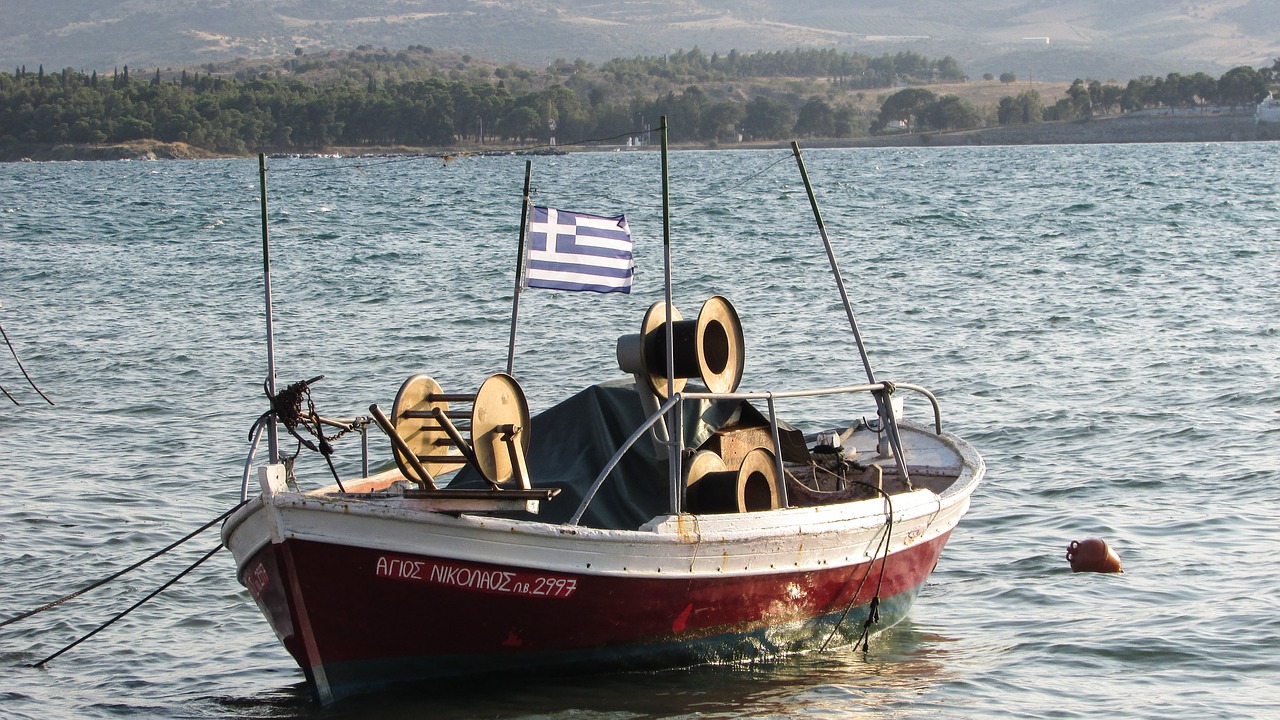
x=675, y=435
x=273, y=438
x=515, y=301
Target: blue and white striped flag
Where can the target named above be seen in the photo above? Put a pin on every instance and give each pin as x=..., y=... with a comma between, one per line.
x=577, y=251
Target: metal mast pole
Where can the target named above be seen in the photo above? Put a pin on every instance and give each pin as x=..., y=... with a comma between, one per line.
x=675, y=436
x=882, y=397
x=273, y=438
x=515, y=302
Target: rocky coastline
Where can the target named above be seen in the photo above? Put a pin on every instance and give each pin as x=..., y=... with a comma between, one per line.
x=136, y=150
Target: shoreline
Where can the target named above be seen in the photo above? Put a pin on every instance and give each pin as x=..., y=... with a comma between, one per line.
x=133, y=150
x=1122, y=129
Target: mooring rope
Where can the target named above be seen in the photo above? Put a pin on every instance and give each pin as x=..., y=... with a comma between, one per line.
x=23, y=369
x=873, y=608
x=363, y=164
x=135, y=606
x=702, y=200
x=690, y=202
x=135, y=566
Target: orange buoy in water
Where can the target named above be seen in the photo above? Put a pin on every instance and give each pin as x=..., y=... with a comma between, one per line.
x=1093, y=555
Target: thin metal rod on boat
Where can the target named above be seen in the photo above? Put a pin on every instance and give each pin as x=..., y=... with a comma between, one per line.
x=780, y=394
x=617, y=456
x=882, y=398
x=676, y=437
x=933, y=400
x=364, y=451
x=460, y=442
x=937, y=411
x=777, y=451
x=515, y=301
x=273, y=437
x=835, y=268
x=248, y=461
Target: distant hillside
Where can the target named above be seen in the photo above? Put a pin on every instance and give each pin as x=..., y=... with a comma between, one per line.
x=1035, y=39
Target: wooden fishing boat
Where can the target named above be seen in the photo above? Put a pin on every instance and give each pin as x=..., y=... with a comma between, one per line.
x=645, y=522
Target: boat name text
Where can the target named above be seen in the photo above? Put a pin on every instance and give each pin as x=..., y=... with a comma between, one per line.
x=505, y=582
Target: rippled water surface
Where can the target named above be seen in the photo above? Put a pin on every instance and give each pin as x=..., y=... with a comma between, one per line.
x=1101, y=321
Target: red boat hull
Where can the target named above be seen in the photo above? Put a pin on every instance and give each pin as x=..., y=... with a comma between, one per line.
x=356, y=619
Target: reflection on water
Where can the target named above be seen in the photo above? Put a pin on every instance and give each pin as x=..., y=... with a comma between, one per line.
x=899, y=670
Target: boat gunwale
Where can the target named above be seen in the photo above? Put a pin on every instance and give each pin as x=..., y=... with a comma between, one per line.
x=664, y=530
x=672, y=553
x=608, y=555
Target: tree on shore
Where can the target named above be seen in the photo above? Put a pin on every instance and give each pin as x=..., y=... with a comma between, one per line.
x=903, y=108
x=916, y=109
x=372, y=97
x=418, y=97
x=766, y=118
x=1241, y=86
x=1024, y=109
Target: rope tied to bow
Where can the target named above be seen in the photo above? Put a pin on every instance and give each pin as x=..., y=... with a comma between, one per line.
x=287, y=409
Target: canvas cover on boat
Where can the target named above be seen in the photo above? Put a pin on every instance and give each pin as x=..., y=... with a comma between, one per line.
x=573, y=441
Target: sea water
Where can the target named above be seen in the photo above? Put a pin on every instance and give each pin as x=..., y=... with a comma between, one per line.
x=1100, y=321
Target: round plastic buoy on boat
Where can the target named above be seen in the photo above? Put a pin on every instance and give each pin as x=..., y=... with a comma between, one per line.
x=1093, y=555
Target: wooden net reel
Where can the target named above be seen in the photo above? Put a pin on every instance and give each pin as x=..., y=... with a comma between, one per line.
x=713, y=487
x=500, y=430
x=498, y=423
x=710, y=347
x=413, y=418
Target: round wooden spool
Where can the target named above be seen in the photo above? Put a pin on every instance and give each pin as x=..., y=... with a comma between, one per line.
x=714, y=488
x=653, y=331
x=702, y=464
x=499, y=403
x=710, y=347
x=717, y=336
x=411, y=417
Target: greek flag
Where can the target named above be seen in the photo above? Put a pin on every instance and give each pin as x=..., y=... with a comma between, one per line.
x=576, y=251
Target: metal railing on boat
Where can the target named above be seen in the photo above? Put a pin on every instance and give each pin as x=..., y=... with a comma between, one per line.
x=360, y=424
x=653, y=419
x=678, y=399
